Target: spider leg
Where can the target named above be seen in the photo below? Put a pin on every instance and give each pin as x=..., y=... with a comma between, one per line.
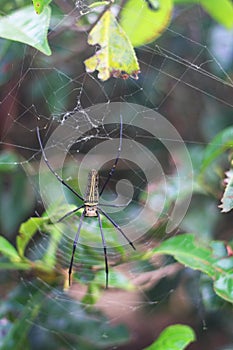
x=69, y=213
x=116, y=160
x=74, y=245
x=105, y=248
x=51, y=169
x=115, y=205
x=117, y=227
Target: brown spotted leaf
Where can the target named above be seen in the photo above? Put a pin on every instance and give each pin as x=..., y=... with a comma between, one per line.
x=116, y=56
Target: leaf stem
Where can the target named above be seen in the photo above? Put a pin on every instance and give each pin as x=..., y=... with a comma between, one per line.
x=106, y=8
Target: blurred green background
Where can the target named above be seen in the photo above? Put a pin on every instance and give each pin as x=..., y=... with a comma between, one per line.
x=186, y=75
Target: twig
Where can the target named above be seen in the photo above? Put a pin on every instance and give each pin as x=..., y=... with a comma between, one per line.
x=106, y=8
x=147, y=279
x=67, y=7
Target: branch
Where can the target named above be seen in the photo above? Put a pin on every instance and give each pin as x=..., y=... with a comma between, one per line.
x=148, y=279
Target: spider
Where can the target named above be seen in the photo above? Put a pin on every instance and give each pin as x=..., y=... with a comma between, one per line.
x=91, y=206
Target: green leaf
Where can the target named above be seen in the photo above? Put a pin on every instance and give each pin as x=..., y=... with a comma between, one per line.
x=8, y=250
x=8, y=161
x=15, y=265
x=16, y=200
x=81, y=328
x=49, y=257
x=219, y=249
x=175, y=337
x=224, y=287
x=25, y=26
x=36, y=303
x=17, y=336
x=227, y=199
x=219, y=144
x=143, y=25
x=185, y=250
x=116, y=57
x=39, y=5
x=26, y=231
x=177, y=2
x=116, y=280
x=93, y=294
x=221, y=11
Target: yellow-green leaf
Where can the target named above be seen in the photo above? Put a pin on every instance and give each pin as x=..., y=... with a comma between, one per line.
x=27, y=230
x=49, y=257
x=142, y=24
x=8, y=250
x=116, y=56
x=221, y=11
x=175, y=337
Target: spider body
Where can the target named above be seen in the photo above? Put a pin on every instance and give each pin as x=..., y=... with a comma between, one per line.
x=90, y=210
x=91, y=205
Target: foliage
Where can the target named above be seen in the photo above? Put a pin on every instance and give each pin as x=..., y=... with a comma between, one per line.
x=13, y=198
x=208, y=260
x=36, y=308
x=221, y=11
x=47, y=270
x=175, y=337
x=213, y=258
x=47, y=263
x=34, y=32
x=139, y=24
x=142, y=24
x=213, y=151
x=116, y=55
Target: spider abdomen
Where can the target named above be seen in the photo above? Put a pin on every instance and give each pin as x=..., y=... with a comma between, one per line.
x=91, y=197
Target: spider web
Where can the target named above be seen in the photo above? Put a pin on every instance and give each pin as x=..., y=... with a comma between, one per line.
x=180, y=66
